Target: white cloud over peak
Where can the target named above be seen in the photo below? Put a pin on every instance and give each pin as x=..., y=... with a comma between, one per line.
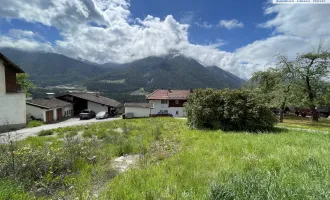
x=17, y=33
x=103, y=31
x=25, y=44
x=230, y=24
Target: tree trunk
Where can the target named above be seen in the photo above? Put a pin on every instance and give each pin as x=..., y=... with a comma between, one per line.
x=315, y=115
x=282, y=109
x=281, y=115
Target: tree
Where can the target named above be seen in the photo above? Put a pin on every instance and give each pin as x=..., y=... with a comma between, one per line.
x=312, y=69
x=26, y=84
x=287, y=77
x=301, y=81
x=265, y=83
x=274, y=85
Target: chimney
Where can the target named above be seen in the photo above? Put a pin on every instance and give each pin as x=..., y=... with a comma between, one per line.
x=97, y=94
x=169, y=90
x=191, y=90
x=50, y=95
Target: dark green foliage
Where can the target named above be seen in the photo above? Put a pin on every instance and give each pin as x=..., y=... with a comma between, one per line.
x=228, y=110
x=45, y=133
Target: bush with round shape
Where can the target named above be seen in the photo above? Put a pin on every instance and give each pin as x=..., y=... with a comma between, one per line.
x=228, y=110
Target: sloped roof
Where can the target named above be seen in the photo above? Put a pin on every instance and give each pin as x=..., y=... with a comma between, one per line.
x=9, y=63
x=48, y=103
x=96, y=99
x=140, y=105
x=169, y=95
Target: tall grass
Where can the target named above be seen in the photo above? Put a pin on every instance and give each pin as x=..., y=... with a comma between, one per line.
x=175, y=163
x=216, y=165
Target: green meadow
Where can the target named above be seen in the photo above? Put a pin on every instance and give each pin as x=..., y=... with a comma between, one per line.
x=173, y=162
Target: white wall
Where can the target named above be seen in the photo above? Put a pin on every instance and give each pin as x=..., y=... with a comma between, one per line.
x=67, y=109
x=40, y=113
x=12, y=109
x=138, y=111
x=36, y=112
x=12, y=105
x=97, y=107
x=171, y=110
x=2, y=79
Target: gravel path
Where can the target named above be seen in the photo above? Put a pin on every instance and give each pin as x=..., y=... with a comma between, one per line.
x=27, y=132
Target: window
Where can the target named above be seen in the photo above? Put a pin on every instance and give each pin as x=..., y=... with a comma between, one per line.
x=163, y=101
x=165, y=111
x=177, y=112
x=177, y=102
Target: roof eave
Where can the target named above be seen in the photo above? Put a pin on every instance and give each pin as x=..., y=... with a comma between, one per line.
x=13, y=65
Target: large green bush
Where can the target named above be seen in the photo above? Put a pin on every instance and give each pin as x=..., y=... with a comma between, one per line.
x=228, y=110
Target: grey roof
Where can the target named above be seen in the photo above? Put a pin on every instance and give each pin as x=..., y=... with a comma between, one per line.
x=9, y=63
x=96, y=99
x=48, y=103
x=140, y=105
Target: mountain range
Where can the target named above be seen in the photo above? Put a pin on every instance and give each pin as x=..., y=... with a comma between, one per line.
x=175, y=72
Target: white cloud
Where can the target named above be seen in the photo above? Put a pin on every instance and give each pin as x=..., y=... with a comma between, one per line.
x=187, y=17
x=25, y=44
x=297, y=29
x=204, y=25
x=300, y=20
x=123, y=39
x=230, y=24
x=17, y=33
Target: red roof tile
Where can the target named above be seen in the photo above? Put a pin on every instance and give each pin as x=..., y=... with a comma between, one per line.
x=169, y=95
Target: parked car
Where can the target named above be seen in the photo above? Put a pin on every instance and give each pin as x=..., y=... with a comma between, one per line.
x=324, y=111
x=87, y=114
x=102, y=115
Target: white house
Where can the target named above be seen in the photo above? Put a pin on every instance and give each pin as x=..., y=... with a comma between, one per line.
x=49, y=109
x=139, y=109
x=169, y=101
x=12, y=100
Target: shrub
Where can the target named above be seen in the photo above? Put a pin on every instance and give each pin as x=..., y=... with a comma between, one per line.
x=34, y=123
x=46, y=168
x=45, y=133
x=228, y=110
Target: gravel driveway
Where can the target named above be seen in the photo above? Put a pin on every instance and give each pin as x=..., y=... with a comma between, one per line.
x=27, y=132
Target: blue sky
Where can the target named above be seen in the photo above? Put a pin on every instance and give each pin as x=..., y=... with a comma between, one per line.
x=250, y=13
x=239, y=36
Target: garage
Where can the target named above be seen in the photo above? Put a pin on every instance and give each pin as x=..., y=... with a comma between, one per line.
x=49, y=116
x=139, y=109
x=48, y=110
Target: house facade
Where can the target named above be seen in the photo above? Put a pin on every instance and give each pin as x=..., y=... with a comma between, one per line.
x=139, y=109
x=49, y=109
x=92, y=101
x=12, y=100
x=169, y=102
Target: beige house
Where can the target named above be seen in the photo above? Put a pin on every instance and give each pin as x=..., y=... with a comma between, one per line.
x=12, y=100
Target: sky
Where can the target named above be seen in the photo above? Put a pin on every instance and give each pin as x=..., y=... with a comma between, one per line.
x=239, y=36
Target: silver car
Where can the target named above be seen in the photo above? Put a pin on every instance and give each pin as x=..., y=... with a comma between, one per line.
x=102, y=115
